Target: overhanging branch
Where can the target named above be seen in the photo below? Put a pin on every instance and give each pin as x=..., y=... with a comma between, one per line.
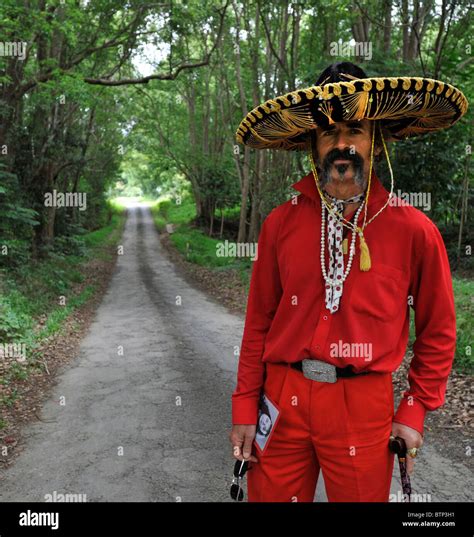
x=165, y=76
x=146, y=79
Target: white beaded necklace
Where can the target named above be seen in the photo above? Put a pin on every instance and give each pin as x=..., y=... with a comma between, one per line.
x=328, y=280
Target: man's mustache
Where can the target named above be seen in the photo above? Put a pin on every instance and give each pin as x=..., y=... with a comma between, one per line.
x=345, y=154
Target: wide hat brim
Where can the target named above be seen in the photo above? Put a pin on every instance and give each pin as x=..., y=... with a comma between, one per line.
x=406, y=107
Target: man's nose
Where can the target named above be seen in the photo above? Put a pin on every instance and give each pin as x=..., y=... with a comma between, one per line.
x=341, y=141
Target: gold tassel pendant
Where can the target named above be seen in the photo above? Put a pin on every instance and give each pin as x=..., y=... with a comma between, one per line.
x=344, y=246
x=365, y=262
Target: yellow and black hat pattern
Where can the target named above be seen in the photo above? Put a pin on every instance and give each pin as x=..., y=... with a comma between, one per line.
x=405, y=106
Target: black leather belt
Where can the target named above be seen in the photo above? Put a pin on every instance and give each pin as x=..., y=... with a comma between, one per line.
x=341, y=372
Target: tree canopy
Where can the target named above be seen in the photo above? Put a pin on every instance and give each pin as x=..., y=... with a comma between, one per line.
x=101, y=93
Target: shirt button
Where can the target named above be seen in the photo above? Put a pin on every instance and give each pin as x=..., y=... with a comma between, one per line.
x=325, y=317
x=317, y=347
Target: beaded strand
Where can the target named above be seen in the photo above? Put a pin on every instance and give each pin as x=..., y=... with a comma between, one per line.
x=328, y=280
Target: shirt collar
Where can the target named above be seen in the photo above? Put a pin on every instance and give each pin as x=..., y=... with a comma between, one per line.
x=307, y=186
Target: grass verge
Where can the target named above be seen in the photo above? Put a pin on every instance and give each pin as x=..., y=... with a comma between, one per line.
x=195, y=245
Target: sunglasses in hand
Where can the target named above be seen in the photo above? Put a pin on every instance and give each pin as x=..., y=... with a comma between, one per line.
x=236, y=490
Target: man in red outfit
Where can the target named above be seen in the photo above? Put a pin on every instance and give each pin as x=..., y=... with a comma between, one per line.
x=327, y=323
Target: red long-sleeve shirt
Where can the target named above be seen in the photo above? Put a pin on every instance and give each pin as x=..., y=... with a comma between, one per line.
x=287, y=319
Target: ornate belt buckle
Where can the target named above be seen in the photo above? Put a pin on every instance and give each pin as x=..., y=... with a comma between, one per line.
x=318, y=370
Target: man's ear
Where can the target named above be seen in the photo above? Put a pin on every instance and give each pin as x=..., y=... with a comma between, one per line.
x=378, y=148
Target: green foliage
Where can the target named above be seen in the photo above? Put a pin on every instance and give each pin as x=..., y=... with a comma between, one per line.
x=14, y=252
x=18, y=371
x=13, y=320
x=110, y=232
x=9, y=400
x=163, y=207
x=463, y=292
x=218, y=185
x=16, y=222
x=195, y=246
x=168, y=211
x=33, y=289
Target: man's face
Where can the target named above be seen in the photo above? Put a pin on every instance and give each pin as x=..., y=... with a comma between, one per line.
x=343, y=152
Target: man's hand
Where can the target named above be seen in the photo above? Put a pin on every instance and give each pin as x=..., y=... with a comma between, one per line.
x=241, y=438
x=412, y=439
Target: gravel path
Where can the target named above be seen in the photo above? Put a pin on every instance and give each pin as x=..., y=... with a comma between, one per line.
x=151, y=423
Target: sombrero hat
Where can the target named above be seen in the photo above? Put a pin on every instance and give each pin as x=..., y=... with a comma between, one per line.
x=405, y=106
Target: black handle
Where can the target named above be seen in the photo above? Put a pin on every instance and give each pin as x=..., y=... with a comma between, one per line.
x=397, y=445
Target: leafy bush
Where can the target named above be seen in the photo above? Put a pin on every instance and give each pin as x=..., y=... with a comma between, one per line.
x=16, y=223
x=13, y=322
x=14, y=252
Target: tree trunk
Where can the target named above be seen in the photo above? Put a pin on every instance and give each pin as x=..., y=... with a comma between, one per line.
x=246, y=161
x=405, y=18
x=387, y=31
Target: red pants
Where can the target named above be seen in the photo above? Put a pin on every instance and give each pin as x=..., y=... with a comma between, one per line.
x=342, y=429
